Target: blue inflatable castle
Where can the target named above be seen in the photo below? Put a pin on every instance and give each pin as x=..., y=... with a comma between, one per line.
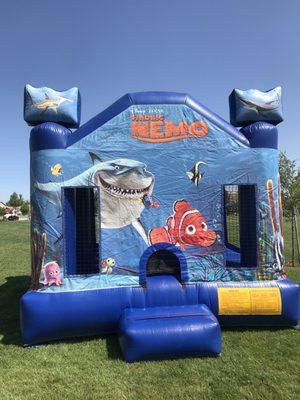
x=156, y=220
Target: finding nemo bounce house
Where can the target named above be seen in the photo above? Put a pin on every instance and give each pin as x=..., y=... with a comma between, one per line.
x=156, y=220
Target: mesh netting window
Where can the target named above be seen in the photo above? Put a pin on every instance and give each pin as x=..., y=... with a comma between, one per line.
x=231, y=195
x=240, y=225
x=81, y=233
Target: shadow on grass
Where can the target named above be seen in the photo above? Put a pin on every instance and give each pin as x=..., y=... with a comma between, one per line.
x=111, y=341
x=113, y=347
x=255, y=328
x=10, y=294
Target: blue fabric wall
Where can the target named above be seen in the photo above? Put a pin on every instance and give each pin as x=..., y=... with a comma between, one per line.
x=226, y=160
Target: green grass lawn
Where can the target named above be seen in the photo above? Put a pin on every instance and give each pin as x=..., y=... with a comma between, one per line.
x=255, y=364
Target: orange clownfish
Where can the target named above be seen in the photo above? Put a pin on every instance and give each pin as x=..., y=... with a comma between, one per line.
x=186, y=227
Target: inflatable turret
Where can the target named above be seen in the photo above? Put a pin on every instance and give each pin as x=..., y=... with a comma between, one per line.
x=47, y=105
x=257, y=113
x=53, y=114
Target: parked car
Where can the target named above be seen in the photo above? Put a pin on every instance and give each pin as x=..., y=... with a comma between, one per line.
x=10, y=217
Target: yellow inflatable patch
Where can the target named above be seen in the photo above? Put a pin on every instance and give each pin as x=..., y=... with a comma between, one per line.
x=249, y=301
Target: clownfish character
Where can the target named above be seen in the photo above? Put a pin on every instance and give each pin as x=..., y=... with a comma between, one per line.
x=186, y=227
x=52, y=274
x=197, y=172
x=107, y=264
x=56, y=170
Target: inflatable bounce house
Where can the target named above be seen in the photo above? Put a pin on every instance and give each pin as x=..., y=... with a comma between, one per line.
x=156, y=220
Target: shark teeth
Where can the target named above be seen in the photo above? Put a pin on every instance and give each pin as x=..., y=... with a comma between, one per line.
x=124, y=193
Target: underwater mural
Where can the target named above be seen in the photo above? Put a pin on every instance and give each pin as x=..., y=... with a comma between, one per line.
x=157, y=191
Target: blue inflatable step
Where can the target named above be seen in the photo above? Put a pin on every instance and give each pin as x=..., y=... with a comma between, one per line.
x=156, y=333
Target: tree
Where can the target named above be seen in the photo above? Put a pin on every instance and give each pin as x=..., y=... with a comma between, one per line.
x=290, y=184
x=25, y=208
x=15, y=200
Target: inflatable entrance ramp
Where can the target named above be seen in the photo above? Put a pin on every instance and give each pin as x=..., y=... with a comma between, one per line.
x=169, y=332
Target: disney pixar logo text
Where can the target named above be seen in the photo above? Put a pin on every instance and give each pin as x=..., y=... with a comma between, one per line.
x=154, y=128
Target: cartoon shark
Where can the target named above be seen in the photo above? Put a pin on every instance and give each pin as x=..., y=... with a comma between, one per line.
x=49, y=104
x=261, y=102
x=261, y=108
x=122, y=182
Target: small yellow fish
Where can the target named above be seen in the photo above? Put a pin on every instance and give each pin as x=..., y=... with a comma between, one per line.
x=56, y=170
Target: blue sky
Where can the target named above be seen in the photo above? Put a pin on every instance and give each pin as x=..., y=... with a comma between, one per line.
x=111, y=47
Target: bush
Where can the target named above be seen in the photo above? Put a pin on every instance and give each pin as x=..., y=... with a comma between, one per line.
x=25, y=208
